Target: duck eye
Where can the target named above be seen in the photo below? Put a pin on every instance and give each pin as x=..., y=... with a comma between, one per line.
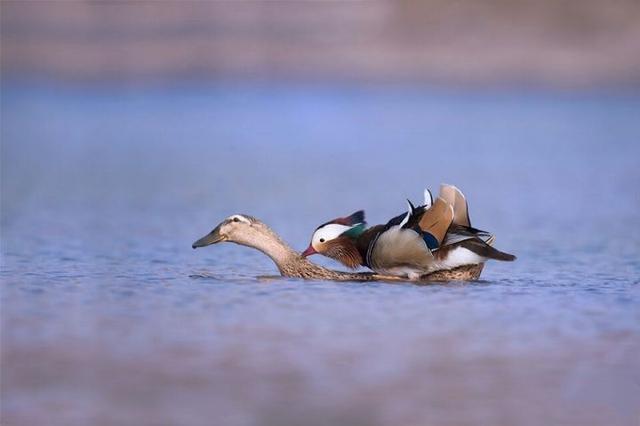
x=322, y=240
x=235, y=219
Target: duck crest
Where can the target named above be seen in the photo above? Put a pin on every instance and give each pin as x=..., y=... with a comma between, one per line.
x=355, y=231
x=351, y=220
x=351, y=226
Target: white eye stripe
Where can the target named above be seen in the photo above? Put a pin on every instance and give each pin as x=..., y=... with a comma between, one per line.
x=238, y=218
x=329, y=232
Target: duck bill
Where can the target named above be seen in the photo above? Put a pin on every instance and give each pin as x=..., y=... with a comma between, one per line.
x=309, y=251
x=212, y=237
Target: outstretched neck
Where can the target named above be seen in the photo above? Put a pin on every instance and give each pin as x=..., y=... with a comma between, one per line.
x=280, y=252
x=290, y=263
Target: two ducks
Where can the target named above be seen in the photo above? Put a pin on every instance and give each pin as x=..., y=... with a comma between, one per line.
x=434, y=241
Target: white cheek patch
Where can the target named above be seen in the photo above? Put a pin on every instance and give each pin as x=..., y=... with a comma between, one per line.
x=328, y=232
x=239, y=217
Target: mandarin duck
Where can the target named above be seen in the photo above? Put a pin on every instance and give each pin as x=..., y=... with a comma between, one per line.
x=436, y=236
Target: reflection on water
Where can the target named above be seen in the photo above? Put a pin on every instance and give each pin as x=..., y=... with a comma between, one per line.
x=109, y=317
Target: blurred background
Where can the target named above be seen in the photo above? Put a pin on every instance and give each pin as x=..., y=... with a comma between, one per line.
x=128, y=129
x=564, y=43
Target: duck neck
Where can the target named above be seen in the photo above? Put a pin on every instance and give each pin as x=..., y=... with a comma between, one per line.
x=279, y=251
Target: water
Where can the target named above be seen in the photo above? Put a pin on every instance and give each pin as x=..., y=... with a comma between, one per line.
x=109, y=317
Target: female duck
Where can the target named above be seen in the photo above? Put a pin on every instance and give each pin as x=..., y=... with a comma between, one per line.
x=436, y=236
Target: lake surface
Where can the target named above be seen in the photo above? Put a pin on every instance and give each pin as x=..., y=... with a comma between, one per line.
x=109, y=317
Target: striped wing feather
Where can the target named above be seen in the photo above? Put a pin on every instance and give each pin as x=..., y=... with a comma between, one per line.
x=437, y=219
x=454, y=196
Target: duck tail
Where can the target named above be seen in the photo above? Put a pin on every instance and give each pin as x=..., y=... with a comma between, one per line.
x=483, y=249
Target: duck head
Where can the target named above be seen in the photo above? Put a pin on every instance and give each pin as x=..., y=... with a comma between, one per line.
x=336, y=239
x=238, y=228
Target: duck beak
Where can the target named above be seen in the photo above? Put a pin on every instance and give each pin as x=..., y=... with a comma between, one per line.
x=309, y=251
x=212, y=237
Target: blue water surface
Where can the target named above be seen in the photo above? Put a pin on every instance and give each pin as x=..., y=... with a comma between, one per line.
x=109, y=317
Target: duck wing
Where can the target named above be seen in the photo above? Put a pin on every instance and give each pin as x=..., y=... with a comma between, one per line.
x=430, y=220
x=486, y=251
x=398, y=247
x=434, y=222
x=458, y=233
x=426, y=237
x=475, y=240
x=407, y=240
x=456, y=198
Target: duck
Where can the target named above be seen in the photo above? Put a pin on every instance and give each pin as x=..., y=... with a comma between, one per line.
x=433, y=237
x=246, y=230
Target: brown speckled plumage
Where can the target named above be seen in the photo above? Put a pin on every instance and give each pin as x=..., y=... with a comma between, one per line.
x=302, y=268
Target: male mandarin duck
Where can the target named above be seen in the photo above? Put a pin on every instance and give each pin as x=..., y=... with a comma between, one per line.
x=435, y=236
